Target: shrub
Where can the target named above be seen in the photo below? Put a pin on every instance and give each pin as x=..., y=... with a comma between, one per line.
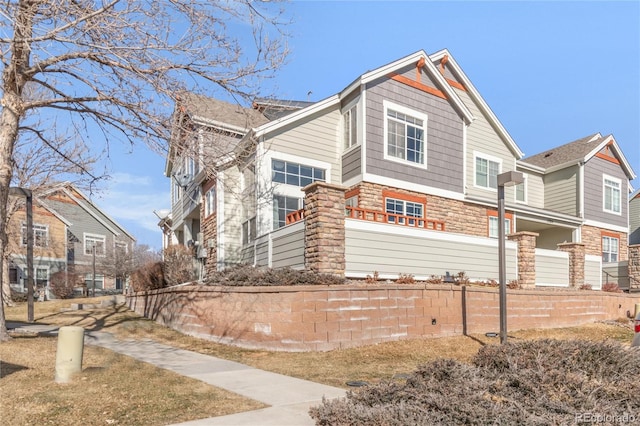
x=372, y=279
x=434, y=279
x=531, y=383
x=148, y=277
x=245, y=275
x=462, y=278
x=18, y=296
x=514, y=285
x=178, y=265
x=62, y=284
x=611, y=287
x=586, y=286
x=405, y=279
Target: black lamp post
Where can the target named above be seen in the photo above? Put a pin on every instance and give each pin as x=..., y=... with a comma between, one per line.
x=504, y=179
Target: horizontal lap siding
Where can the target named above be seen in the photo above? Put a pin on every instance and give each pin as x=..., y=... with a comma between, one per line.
x=288, y=250
x=247, y=255
x=561, y=189
x=351, y=164
x=444, y=137
x=617, y=272
x=482, y=138
x=535, y=190
x=593, y=271
x=368, y=251
x=262, y=254
x=316, y=138
x=552, y=268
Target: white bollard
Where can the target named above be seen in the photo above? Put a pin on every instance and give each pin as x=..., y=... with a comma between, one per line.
x=69, y=353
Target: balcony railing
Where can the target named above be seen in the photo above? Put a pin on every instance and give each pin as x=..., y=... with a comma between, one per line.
x=377, y=216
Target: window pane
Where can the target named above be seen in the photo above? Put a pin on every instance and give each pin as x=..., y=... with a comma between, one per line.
x=481, y=172
x=278, y=165
x=318, y=174
x=306, y=171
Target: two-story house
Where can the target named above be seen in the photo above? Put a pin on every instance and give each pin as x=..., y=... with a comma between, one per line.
x=70, y=233
x=417, y=152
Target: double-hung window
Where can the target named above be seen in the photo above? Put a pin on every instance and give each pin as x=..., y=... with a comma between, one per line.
x=612, y=194
x=494, y=231
x=487, y=170
x=249, y=230
x=350, y=127
x=610, y=248
x=210, y=202
x=40, y=235
x=94, y=241
x=521, y=191
x=405, y=135
x=398, y=207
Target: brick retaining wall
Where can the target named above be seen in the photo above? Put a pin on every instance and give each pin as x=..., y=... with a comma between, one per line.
x=320, y=318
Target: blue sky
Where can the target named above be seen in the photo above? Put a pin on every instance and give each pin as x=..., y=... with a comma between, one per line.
x=552, y=72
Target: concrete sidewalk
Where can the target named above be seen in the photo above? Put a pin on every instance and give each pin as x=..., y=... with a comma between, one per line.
x=289, y=398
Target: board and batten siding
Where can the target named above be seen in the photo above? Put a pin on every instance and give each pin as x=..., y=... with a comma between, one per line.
x=288, y=247
x=634, y=220
x=552, y=268
x=316, y=138
x=352, y=163
x=483, y=139
x=392, y=250
x=561, y=190
x=444, y=136
x=593, y=271
x=594, y=172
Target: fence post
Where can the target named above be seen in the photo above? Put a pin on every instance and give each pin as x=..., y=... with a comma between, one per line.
x=576, y=262
x=324, y=234
x=526, y=257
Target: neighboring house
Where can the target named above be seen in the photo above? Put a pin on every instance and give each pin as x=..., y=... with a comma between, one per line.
x=634, y=218
x=67, y=228
x=411, y=143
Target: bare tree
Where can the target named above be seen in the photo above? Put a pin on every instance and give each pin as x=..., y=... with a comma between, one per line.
x=120, y=262
x=95, y=72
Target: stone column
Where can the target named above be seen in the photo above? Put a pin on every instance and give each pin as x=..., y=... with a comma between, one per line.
x=526, y=257
x=634, y=266
x=324, y=212
x=576, y=262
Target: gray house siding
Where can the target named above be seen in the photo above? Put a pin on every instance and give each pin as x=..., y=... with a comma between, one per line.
x=560, y=191
x=352, y=163
x=634, y=220
x=594, y=171
x=444, y=137
x=288, y=250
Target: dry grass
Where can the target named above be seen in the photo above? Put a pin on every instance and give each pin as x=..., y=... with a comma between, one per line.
x=370, y=363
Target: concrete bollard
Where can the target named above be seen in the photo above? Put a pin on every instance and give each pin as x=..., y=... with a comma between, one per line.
x=637, y=311
x=69, y=353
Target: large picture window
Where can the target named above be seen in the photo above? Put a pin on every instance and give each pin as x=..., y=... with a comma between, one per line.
x=295, y=174
x=282, y=206
x=612, y=194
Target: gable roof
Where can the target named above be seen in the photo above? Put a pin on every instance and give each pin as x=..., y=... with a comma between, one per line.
x=579, y=151
x=220, y=114
x=86, y=204
x=475, y=96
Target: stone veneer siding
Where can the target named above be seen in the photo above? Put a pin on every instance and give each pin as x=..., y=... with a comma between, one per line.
x=324, y=234
x=526, y=257
x=592, y=240
x=459, y=217
x=576, y=262
x=634, y=265
x=320, y=318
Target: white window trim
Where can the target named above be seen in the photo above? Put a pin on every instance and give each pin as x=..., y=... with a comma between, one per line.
x=609, y=252
x=359, y=128
x=604, y=194
x=526, y=192
x=209, y=204
x=507, y=224
x=487, y=157
x=404, y=110
x=97, y=237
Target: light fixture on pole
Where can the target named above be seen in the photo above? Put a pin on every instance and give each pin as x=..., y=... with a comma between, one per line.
x=504, y=179
x=17, y=191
